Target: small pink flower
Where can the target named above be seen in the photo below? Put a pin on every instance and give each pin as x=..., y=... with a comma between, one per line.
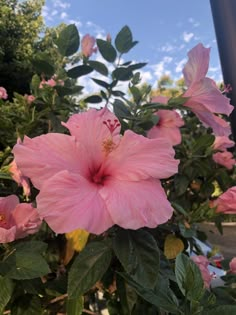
x=202, y=263
x=225, y=159
x=232, y=265
x=221, y=143
x=17, y=220
x=87, y=45
x=226, y=203
x=205, y=98
x=95, y=178
x=19, y=178
x=167, y=126
x=108, y=38
x=29, y=98
x=50, y=82
x=3, y=93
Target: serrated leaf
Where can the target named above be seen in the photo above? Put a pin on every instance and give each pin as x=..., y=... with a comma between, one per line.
x=189, y=278
x=88, y=268
x=106, y=49
x=99, y=67
x=122, y=74
x=124, y=40
x=68, y=41
x=79, y=71
x=173, y=246
x=139, y=255
x=94, y=99
x=6, y=287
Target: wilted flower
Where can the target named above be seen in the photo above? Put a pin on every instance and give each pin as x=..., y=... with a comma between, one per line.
x=222, y=143
x=96, y=178
x=202, y=263
x=3, y=93
x=19, y=178
x=225, y=159
x=87, y=45
x=205, y=98
x=232, y=265
x=226, y=203
x=17, y=220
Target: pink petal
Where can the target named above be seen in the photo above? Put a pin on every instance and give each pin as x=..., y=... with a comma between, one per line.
x=7, y=235
x=222, y=143
x=133, y=205
x=90, y=128
x=160, y=99
x=172, y=135
x=137, y=157
x=197, y=66
x=68, y=201
x=7, y=205
x=42, y=157
x=206, y=93
x=224, y=158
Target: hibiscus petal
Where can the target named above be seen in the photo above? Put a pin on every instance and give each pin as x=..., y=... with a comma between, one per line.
x=92, y=129
x=172, y=135
x=206, y=92
x=197, y=66
x=137, y=157
x=44, y=156
x=68, y=201
x=7, y=205
x=133, y=205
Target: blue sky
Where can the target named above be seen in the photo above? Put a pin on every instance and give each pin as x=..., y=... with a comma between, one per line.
x=166, y=29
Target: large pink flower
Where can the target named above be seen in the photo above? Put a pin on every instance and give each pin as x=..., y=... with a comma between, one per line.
x=222, y=143
x=87, y=45
x=205, y=98
x=19, y=178
x=95, y=178
x=202, y=263
x=167, y=126
x=226, y=203
x=225, y=159
x=17, y=220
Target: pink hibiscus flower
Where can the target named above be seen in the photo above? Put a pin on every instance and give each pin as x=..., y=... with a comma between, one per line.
x=3, y=93
x=222, y=143
x=167, y=126
x=202, y=263
x=17, y=220
x=225, y=159
x=87, y=45
x=95, y=178
x=205, y=98
x=19, y=178
x=226, y=203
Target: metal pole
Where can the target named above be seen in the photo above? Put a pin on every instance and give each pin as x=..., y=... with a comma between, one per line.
x=224, y=17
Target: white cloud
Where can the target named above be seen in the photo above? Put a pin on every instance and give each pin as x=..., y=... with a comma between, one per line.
x=180, y=65
x=76, y=22
x=159, y=68
x=63, y=15
x=193, y=22
x=167, y=47
x=46, y=13
x=96, y=29
x=61, y=4
x=187, y=36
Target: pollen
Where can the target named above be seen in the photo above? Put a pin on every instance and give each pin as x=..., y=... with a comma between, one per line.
x=108, y=146
x=3, y=220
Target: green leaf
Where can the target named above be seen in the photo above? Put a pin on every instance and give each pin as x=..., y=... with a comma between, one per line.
x=162, y=296
x=88, y=267
x=139, y=255
x=79, y=71
x=221, y=310
x=124, y=40
x=189, y=278
x=177, y=101
x=101, y=83
x=137, y=66
x=68, y=41
x=75, y=306
x=99, y=67
x=181, y=183
x=27, y=305
x=202, y=143
x=26, y=262
x=94, y=99
x=136, y=94
x=42, y=64
x=64, y=90
x=5, y=176
x=106, y=49
x=122, y=74
x=120, y=109
x=127, y=295
x=6, y=287
x=35, y=82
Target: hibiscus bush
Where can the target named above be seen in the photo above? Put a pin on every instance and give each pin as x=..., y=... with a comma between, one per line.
x=100, y=207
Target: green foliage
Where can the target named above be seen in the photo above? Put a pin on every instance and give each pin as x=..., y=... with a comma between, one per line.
x=68, y=41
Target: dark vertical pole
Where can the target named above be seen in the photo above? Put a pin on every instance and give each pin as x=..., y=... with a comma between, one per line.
x=224, y=17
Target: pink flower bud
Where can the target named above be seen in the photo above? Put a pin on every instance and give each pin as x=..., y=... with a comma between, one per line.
x=225, y=159
x=3, y=93
x=87, y=45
